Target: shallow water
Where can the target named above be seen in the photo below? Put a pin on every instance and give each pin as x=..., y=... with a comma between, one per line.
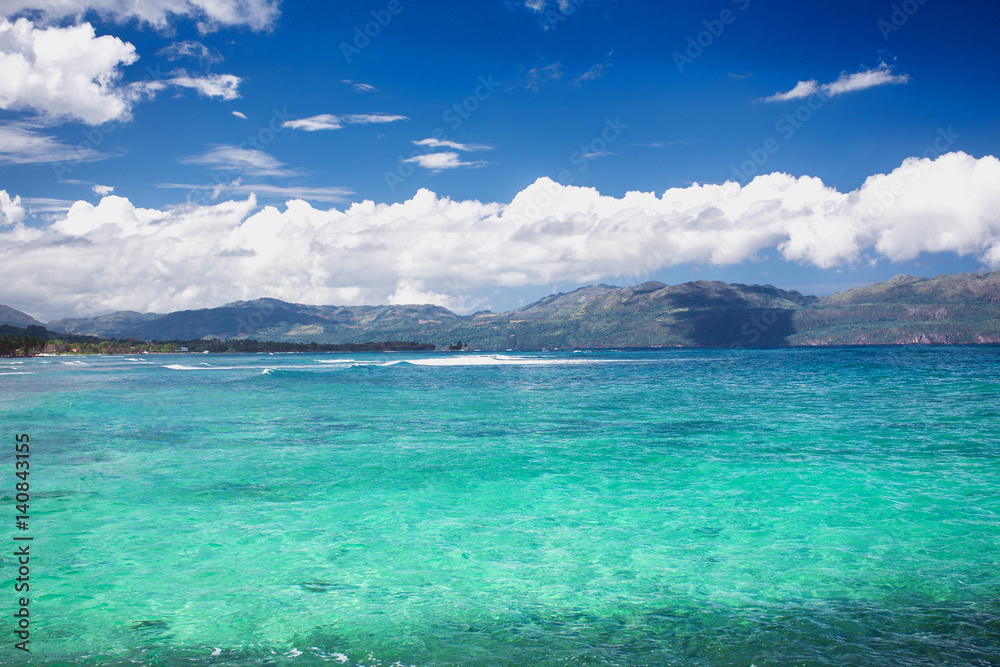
x=658, y=507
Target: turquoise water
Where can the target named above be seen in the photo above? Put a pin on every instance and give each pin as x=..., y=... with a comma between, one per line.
x=659, y=507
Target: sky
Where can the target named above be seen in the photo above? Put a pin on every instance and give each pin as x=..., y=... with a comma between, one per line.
x=160, y=155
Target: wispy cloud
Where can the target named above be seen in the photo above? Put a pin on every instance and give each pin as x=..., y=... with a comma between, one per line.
x=20, y=144
x=661, y=144
x=333, y=195
x=595, y=72
x=542, y=74
x=438, y=143
x=240, y=160
x=240, y=114
x=847, y=83
x=330, y=122
x=102, y=190
x=191, y=49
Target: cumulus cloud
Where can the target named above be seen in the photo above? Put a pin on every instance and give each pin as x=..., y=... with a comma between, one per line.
x=63, y=72
x=209, y=14
x=102, y=190
x=11, y=211
x=330, y=122
x=126, y=257
x=21, y=144
x=847, y=83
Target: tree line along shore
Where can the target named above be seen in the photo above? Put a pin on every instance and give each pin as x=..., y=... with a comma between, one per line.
x=33, y=341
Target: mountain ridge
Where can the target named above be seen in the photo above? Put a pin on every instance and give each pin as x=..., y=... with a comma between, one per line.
x=951, y=308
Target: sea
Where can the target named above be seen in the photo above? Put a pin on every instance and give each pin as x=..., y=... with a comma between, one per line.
x=708, y=507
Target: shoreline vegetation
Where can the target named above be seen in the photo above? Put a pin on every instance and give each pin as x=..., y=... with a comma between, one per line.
x=37, y=341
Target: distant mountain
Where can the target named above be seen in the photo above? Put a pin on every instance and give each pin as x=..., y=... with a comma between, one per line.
x=105, y=326
x=963, y=308
x=16, y=318
x=960, y=308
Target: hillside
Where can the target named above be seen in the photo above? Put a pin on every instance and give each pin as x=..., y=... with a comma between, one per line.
x=962, y=308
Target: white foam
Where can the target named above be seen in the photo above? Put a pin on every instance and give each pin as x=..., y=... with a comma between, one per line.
x=180, y=367
x=18, y=373
x=493, y=360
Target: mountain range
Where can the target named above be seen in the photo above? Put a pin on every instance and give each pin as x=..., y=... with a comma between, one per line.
x=961, y=308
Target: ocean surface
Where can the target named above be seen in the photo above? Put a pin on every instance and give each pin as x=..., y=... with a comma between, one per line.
x=656, y=507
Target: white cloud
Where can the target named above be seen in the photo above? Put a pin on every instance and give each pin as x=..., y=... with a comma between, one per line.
x=116, y=256
x=313, y=123
x=802, y=89
x=438, y=143
x=102, y=190
x=880, y=76
x=330, y=122
x=847, y=83
x=209, y=14
x=364, y=88
x=63, y=72
x=369, y=118
x=240, y=114
x=441, y=161
x=210, y=85
x=20, y=144
x=237, y=160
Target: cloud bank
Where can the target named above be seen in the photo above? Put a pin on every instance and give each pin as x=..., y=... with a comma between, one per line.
x=117, y=256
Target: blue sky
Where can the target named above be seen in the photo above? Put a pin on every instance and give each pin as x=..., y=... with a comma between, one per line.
x=173, y=154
